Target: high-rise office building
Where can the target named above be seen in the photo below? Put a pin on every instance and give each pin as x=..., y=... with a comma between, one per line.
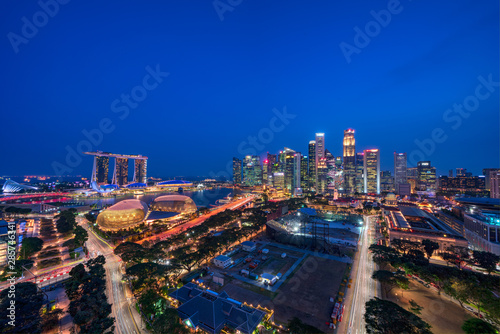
x=450, y=173
x=349, y=162
x=331, y=169
x=236, y=171
x=102, y=163
x=279, y=180
x=304, y=182
x=281, y=161
x=412, y=177
x=426, y=176
x=360, y=182
x=140, y=170
x=296, y=181
x=371, y=164
x=311, y=173
x=487, y=177
x=257, y=170
x=461, y=171
x=322, y=176
x=271, y=162
x=120, y=175
x=400, y=171
x=289, y=169
x=248, y=171
x=320, y=151
x=265, y=172
x=495, y=184
x=386, y=181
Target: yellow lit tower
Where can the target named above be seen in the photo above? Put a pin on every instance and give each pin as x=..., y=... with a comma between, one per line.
x=349, y=162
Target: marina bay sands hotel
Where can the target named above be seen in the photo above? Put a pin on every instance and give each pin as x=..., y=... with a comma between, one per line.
x=120, y=171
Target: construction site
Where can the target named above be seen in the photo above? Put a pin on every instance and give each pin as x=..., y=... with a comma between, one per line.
x=318, y=231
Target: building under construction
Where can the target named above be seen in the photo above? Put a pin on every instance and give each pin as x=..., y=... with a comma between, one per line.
x=308, y=231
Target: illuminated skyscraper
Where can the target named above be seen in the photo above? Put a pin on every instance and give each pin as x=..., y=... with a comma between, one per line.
x=320, y=151
x=426, y=176
x=279, y=180
x=265, y=172
x=400, y=170
x=120, y=175
x=236, y=171
x=248, y=171
x=271, y=164
x=304, y=182
x=461, y=172
x=311, y=172
x=349, y=162
x=494, y=176
x=296, y=181
x=322, y=177
x=140, y=170
x=331, y=169
x=360, y=181
x=372, y=171
x=289, y=155
x=257, y=170
x=102, y=163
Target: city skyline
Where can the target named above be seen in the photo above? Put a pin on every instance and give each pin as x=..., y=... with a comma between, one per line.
x=204, y=101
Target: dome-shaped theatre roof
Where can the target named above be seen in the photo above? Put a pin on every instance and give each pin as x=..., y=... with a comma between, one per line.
x=128, y=204
x=172, y=198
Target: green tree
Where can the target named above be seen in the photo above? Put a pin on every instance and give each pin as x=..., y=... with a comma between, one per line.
x=385, y=277
x=89, y=306
x=383, y=316
x=405, y=245
x=168, y=322
x=152, y=303
x=429, y=247
x=30, y=246
x=66, y=221
x=90, y=217
x=51, y=319
x=28, y=302
x=478, y=326
x=486, y=260
x=383, y=255
x=457, y=255
x=414, y=307
x=81, y=236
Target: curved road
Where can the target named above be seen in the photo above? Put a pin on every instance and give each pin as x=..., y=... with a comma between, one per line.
x=127, y=318
x=119, y=295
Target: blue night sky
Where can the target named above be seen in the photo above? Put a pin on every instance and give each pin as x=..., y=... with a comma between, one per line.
x=225, y=77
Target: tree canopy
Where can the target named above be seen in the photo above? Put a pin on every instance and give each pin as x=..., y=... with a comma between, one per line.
x=383, y=316
x=478, y=326
x=486, y=260
x=29, y=301
x=30, y=246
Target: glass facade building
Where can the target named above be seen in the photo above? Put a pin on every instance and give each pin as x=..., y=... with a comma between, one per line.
x=349, y=162
x=102, y=163
x=237, y=171
x=371, y=171
x=140, y=170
